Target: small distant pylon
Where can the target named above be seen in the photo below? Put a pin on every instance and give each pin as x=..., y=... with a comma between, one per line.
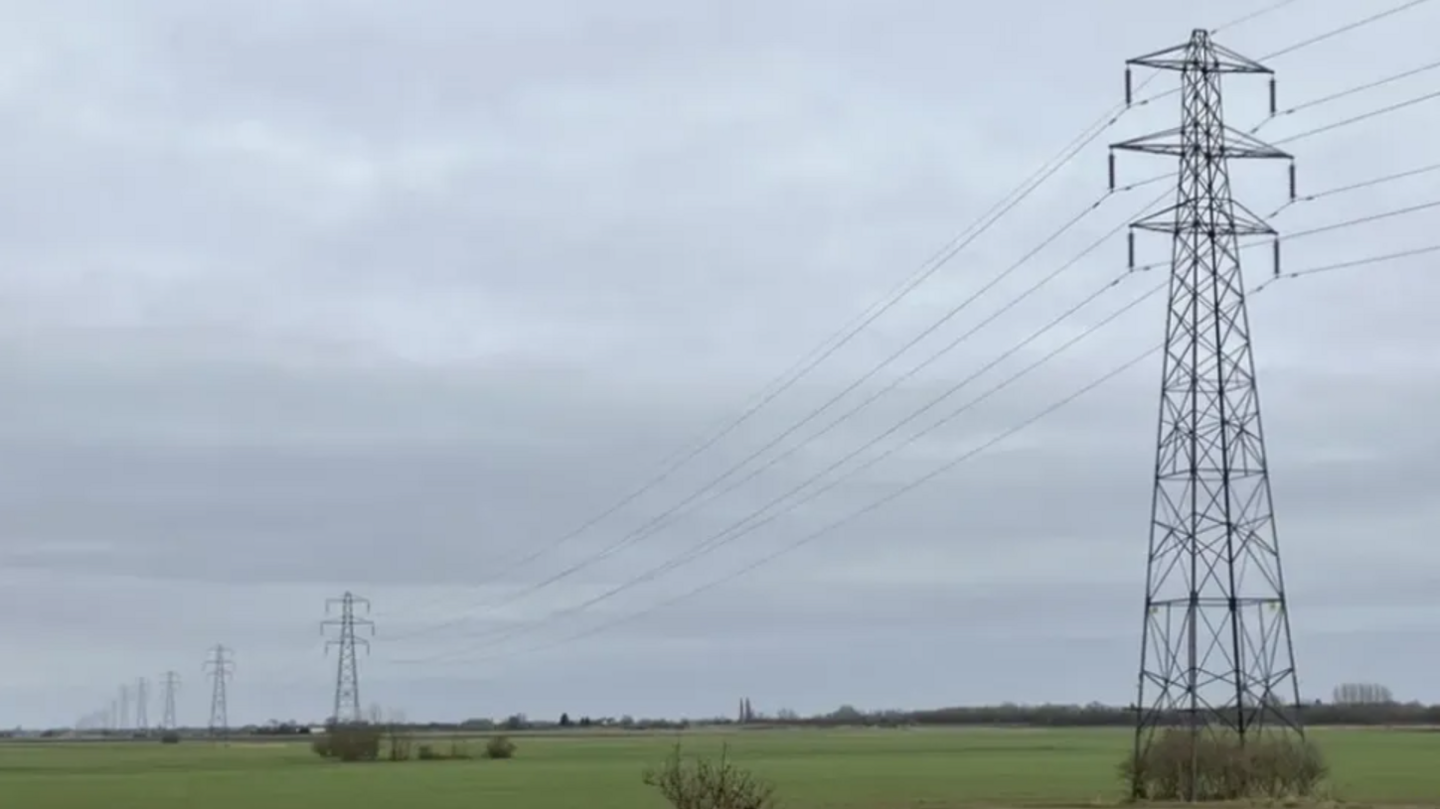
x=123, y=719
x=221, y=667
x=170, y=682
x=142, y=705
x=347, y=673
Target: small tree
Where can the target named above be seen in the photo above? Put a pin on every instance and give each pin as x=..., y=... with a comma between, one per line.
x=699, y=783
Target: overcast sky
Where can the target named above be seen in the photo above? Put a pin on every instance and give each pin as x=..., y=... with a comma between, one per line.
x=382, y=296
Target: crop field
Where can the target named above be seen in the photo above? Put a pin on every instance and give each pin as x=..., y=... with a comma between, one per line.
x=854, y=769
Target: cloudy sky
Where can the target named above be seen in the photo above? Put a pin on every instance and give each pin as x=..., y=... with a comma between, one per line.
x=387, y=297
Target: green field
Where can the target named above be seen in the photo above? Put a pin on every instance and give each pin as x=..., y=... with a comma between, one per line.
x=862, y=769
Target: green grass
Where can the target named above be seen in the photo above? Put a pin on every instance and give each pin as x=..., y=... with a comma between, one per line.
x=858, y=769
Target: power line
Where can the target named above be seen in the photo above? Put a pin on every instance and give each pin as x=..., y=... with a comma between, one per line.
x=1347, y=93
x=837, y=340
x=664, y=518
x=1359, y=262
x=1358, y=118
x=1330, y=227
x=1076, y=144
x=347, y=670
x=1348, y=27
x=790, y=376
x=1370, y=183
x=220, y=665
x=1244, y=18
x=840, y=338
x=743, y=527
x=795, y=545
x=1361, y=220
x=750, y=523
x=916, y=483
x=686, y=556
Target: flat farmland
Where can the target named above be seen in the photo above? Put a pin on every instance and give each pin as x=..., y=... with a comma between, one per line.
x=840, y=769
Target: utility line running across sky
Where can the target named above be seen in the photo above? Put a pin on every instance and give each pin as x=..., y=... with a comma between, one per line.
x=663, y=518
x=929, y=476
x=830, y=345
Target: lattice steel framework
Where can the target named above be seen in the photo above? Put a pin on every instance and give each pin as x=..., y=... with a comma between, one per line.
x=1216, y=652
x=142, y=705
x=347, y=672
x=171, y=684
x=221, y=667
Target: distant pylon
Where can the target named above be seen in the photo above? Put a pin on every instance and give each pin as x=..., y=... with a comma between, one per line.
x=347, y=674
x=1215, y=652
x=123, y=720
x=170, y=682
x=142, y=705
x=221, y=667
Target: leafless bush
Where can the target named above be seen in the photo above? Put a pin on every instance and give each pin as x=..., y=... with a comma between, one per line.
x=499, y=747
x=349, y=742
x=458, y=750
x=1218, y=767
x=701, y=783
x=400, y=743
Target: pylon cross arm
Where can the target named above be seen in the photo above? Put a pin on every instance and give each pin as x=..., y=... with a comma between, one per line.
x=1216, y=58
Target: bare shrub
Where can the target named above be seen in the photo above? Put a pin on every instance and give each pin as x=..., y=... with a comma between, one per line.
x=499, y=747
x=400, y=743
x=701, y=783
x=457, y=750
x=349, y=742
x=1218, y=767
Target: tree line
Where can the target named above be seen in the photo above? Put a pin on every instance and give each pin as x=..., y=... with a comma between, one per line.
x=1350, y=704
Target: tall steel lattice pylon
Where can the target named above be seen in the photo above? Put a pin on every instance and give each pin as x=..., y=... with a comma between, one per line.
x=347, y=670
x=1216, y=652
x=221, y=667
x=171, y=685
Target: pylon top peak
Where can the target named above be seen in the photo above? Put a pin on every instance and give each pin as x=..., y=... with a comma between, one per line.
x=1199, y=51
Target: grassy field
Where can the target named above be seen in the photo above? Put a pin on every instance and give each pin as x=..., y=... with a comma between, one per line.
x=858, y=769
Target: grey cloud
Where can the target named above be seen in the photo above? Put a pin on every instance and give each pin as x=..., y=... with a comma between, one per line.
x=343, y=297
